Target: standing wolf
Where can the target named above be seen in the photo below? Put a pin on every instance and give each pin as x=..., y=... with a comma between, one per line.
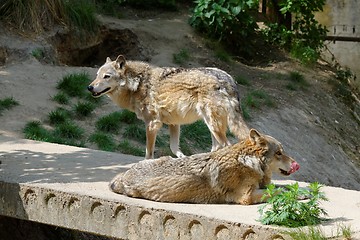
x=173, y=96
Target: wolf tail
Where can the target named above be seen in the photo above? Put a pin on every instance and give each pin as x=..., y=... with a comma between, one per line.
x=237, y=124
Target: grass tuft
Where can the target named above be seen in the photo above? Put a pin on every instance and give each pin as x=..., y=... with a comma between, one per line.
x=35, y=131
x=82, y=14
x=7, y=103
x=242, y=81
x=38, y=53
x=126, y=148
x=75, y=84
x=198, y=134
x=103, y=141
x=84, y=109
x=58, y=116
x=311, y=233
x=61, y=98
x=109, y=123
x=181, y=57
x=297, y=81
x=135, y=132
x=257, y=99
x=68, y=130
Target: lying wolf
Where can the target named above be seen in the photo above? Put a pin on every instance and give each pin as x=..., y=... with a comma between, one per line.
x=173, y=96
x=233, y=174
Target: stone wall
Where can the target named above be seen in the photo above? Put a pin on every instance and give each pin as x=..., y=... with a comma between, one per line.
x=342, y=19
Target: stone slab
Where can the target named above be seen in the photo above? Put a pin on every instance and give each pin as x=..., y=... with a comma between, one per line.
x=67, y=187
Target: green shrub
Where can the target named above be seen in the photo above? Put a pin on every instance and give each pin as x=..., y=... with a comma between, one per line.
x=242, y=81
x=197, y=134
x=68, y=130
x=181, y=57
x=109, y=123
x=311, y=233
x=135, y=132
x=75, y=84
x=128, y=117
x=283, y=207
x=35, y=131
x=7, y=103
x=61, y=98
x=256, y=99
x=81, y=14
x=103, y=141
x=38, y=53
x=125, y=147
x=297, y=80
x=306, y=38
x=84, y=109
x=229, y=21
x=58, y=116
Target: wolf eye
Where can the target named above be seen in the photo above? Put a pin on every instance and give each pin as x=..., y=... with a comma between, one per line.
x=278, y=153
x=106, y=76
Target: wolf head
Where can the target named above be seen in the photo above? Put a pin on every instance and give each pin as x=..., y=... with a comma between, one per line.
x=273, y=154
x=112, y=75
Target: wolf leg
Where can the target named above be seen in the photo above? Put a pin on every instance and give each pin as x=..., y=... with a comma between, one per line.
x=151, y=131
x=174, y=140
x=217, y=128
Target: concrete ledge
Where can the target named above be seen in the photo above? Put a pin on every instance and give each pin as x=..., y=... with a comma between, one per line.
x=67, y=187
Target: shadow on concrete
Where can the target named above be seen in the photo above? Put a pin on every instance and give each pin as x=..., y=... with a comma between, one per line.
x=71, y=165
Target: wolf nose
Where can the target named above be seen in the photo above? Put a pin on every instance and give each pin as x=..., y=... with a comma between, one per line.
x=90, y=88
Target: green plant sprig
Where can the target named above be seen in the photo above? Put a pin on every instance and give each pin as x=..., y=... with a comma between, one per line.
x=283, y=207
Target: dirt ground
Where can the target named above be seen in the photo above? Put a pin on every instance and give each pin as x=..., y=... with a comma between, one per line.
x=317, y=128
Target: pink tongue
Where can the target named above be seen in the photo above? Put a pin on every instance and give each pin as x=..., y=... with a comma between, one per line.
x=294, y=167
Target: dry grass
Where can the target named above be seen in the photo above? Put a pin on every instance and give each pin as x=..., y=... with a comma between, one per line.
x=35, y=16
x=41, y=15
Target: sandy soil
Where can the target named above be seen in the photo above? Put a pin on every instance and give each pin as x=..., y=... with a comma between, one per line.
x=315, y=127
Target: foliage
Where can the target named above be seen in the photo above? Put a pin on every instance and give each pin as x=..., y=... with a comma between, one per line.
x=286, y=210
x=37, y=16
x=306, y=38
x=109, y=123
x=242, y=80
x=31, y=15
x=307, y=234
x=127, y=148
x=61, y=98
x=103, y=141
x=58, y=116
x=181, y=57
x=198, y=133
x=135, y=132
x=84, y=109
x=226, y=20
x=7, y=103
x=74, y=84
x=35, y=131
x=81, y=14
x=38, y=53
x=297, y=81
x=68, y=130
x=257, y=98
x=342, y=87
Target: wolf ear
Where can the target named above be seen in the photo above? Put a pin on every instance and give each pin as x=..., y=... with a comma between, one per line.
x=108, y=60
x=120, y=62
x=258, y=139
x=254, y=135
